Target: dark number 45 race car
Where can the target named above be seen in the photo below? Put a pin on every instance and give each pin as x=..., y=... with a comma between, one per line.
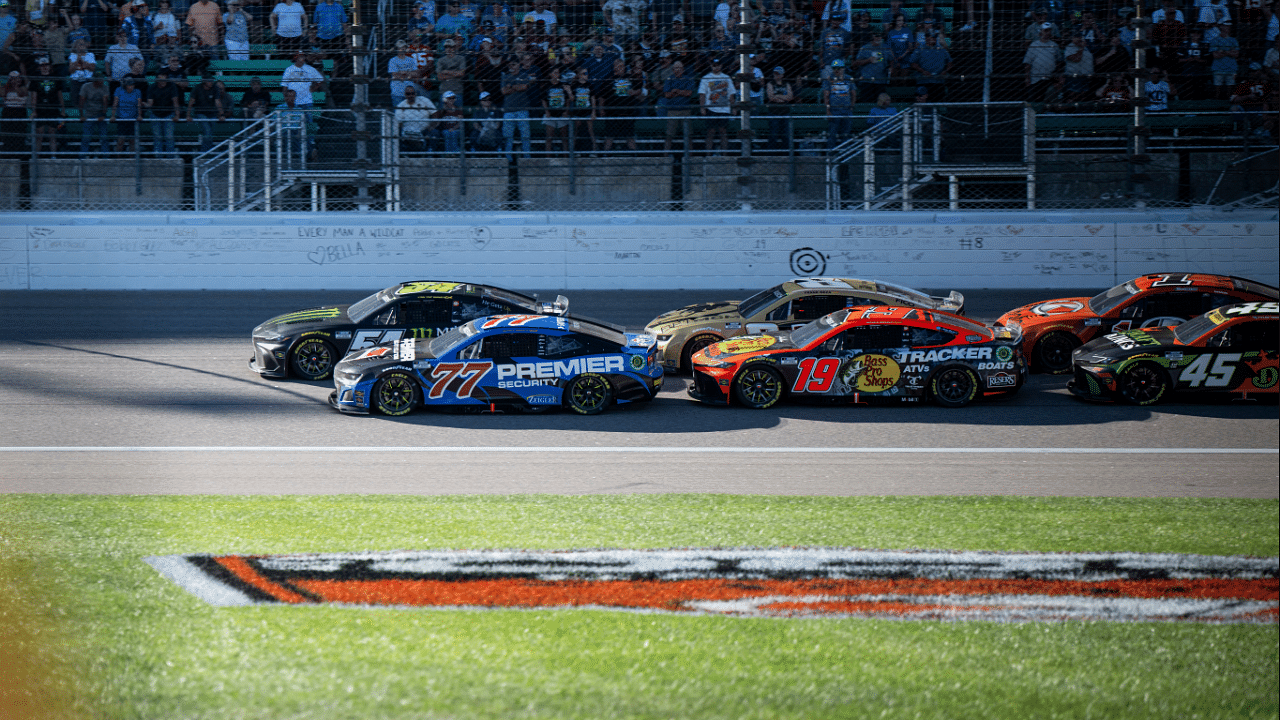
x=889, y=353
x=526, y=363
x=1232, y=350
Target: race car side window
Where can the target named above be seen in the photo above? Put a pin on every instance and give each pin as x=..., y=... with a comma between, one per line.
x=388, y=316
x=426, y=312
x=1174, y=304
x=929, y=337
x=782, y=312
x=874, y=337
x=1215, y=300
x=1253, y=335
x=510, y=345
x=812, y=307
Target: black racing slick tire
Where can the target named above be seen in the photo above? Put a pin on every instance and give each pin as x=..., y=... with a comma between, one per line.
x=395, y=394
x=313, y=359
x=954, y=386
x=588, y=394
x=758, y=387
x=696, y=343
x=1052, y=353
x=1142, y=384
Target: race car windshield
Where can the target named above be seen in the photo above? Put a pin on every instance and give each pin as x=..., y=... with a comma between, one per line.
x=367, y=307
x=450, y=340
x=1195, y=328
x=1104, y=302
x=805, y=334
x=757, y=302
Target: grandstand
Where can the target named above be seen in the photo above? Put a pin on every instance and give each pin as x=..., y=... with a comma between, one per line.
x=1001, y=139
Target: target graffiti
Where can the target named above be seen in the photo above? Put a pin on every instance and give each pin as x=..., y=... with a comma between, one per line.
x=808, y=262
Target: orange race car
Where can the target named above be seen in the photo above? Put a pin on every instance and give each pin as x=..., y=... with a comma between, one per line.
x=1053, y=328
x=860, y=354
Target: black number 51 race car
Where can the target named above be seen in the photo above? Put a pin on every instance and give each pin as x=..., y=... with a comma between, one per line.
x=1232, y=350
x=309, y=343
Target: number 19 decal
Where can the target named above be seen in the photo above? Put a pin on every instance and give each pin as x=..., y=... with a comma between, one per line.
x=816, y=375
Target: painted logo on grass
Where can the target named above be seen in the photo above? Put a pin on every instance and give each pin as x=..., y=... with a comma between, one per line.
x=779, y=582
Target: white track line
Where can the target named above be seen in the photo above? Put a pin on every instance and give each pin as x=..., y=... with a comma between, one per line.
x=646, y=449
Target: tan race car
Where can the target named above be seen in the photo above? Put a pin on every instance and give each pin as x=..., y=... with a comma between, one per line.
x=683, y=332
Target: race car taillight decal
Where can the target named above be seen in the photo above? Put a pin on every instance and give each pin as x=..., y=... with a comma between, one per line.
x=784, y=582
x=470, y=373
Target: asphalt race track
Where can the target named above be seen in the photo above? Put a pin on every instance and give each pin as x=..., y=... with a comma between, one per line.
x=150, y=392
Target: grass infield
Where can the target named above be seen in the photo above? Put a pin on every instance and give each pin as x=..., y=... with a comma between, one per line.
x=87, y=629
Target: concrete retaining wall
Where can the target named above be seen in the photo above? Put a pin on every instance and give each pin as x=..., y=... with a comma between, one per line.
x=603, y=251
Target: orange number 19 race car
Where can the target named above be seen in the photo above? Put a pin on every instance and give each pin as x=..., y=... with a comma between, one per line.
x=859, y=354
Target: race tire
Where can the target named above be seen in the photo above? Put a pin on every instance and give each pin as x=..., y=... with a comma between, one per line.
x=695, y=344
x=954, y=386
x=758, y=387
x=395, y=394
x=1052, y=353
x=1142, y=384
x=588, y=394
x=313, y=359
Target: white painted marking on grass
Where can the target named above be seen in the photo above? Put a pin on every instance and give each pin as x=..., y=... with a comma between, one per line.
x=646, y=449
x=182, y=572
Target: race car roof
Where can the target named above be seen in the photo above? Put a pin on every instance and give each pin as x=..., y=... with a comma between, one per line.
x=417, y=287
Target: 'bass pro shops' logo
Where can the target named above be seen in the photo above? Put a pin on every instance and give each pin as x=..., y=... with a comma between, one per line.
x=872, y=373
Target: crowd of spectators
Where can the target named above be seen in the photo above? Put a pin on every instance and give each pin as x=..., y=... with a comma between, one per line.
x=488, y=75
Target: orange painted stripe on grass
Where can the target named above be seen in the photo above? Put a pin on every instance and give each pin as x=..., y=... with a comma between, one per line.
x=671, y=595
x=239, y=566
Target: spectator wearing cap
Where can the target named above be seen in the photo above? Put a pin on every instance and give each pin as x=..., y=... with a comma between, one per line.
x=1225, y=51
x=883, y=110
x=599, y=67
x=541, y=12
x=584, y=109
x=402, y=69
x=204, y=105
x=164, y=101
x=621, y=103
x=303, y=79
x=449, y=121
x=1039, y=21
x=50, y=110
x=451, y=69
x=419, y=20
x=1077, y=69
x=126, y=106
x=779, y=94
x=1193, y=74
x=677, y=98
x=289, y=26
x=453, y=23
x=205, y=20
x=516, y=84
x=413, y=116
x=94, y=101
x=874, y=62
x=719, y=42
x=497, y=20
x=932, y=64
x=486, y=132
x=556, y=98
x=332, y=26
x=256, y=101
x=488, y=66
x=839, y=95
x=119, y=57
x=834, y=40
x=167, y=31
x=1040, y=62
x=716, y=94
x=236, y=38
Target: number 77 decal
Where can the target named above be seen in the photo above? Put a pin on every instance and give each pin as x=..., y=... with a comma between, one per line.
x=470, y=372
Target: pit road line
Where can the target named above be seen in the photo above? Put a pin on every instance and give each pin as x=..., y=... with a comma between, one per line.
x=647, y=449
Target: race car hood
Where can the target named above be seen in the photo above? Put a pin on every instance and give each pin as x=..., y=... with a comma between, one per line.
x=1117, y=346
x=748, y=344
x=711, y=313
x=1074, y=309
x=303, y=320
x=399, y=352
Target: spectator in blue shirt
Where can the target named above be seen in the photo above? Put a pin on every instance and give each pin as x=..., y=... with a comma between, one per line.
x=332, y=26
x=838, y=95
x=677, y=97
x=932, y=62
x=125, y=107
x=453, y=23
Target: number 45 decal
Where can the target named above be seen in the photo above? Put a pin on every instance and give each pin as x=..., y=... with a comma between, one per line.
x=1199, y=372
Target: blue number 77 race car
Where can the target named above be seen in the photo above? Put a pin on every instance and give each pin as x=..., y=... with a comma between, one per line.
x=527, y=363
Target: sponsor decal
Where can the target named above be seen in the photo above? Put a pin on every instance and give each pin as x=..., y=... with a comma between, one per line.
x=374, y=353
x=995, y=366
x=509, y=321
x=555, y=369
x=541, y=400
x=303, y=316
x=1001, y=380
x=1266, y=378
x=1057, y=307
x=748, y=344
x=414, y=288
x=957, y=353
x=405, y=350
x=1254, y=308
x=1004, y=354
x=756, y=582
x=637, y=362
x=733, y=326
x=1131, y=340
x=342, y=335
x=872, y=373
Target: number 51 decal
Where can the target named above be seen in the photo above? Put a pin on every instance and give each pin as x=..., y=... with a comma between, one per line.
x=1199, y=372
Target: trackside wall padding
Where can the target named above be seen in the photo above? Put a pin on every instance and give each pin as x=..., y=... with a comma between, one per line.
x=350, y=251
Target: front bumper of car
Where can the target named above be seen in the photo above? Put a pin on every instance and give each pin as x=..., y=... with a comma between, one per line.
x=351, y=399
x=710, y=388
x=270, y=359
x=1093, y=383
x=670, y=361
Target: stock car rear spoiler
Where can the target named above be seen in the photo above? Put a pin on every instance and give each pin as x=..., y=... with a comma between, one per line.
x=559, y=307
